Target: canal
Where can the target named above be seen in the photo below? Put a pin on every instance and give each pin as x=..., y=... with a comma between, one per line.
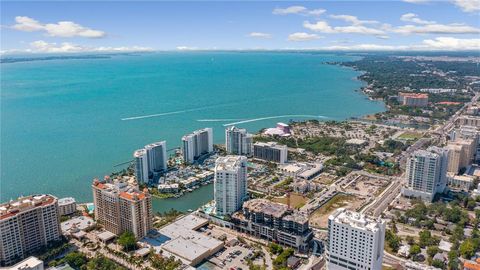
x=191, y=200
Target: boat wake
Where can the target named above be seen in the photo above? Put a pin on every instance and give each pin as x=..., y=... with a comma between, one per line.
x=220, y=120
x=274, y=117
x=153, y=115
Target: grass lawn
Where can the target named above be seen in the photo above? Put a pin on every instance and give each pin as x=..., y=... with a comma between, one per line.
x=409, y=136
x=296, y=200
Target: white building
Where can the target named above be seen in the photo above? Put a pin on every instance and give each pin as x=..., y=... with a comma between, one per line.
x=426, y=173
x=238, y=141
x=196, y=144
x=157, y=156
x=67, y=206
x=355, y=241
x=30, y=263
x=141, y=165
x=230, y=186
x=270, y=151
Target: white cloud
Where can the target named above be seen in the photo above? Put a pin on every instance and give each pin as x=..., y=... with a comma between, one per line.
x=186, y=48
x=352, y=19
x=450, y=43
x=412, y=17
x=298, y=10
x=301, y=36
x=260, y=35
x=289, y=10
x=41, y=46
x=60, y=29
x=468, y=5
x=436, y=44
x=436, y=28
x=324, y=27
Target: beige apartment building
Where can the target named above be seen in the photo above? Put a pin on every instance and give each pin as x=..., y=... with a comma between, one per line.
x=26, y=225
x=121, y=207
x=460, y=155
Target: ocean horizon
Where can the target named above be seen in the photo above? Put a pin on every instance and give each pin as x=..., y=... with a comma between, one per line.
x=66, y=121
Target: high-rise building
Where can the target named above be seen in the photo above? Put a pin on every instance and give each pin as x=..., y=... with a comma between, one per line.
x=461, y=153
x=26, y=225
x=196, y=144
x=426, y=173
x=230, y=185
x=122, y=207
x=157, y=156
x=355, y=241
x=238, y=141
x=67, y=206
x=141, y=165
x=275, y=222
x=270, y=151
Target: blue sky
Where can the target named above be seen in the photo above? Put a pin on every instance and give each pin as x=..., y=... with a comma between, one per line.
x=330, y=25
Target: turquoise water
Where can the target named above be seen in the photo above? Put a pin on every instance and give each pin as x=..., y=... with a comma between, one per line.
x=61, y=120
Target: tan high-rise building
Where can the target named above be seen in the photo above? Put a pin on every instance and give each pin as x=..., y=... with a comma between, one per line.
x=27, y=224
x=461, y=154
x=122, y=207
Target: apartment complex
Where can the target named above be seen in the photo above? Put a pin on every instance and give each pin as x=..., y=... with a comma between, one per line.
x=121, y=207
x=275, y=222
x=238, y=141
x=150, y=160
x=196, y=144
x=270, y=151
x=27, y=224
x=426, y=173
x=67, y=206
x=413, y=99
x=355, y=241
x=230, y=184
x=460, y=154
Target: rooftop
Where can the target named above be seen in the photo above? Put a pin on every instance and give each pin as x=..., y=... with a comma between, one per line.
x=266, y=207
x=125, y=190
x=28, y=263
x=65, y=201
x=24, y=204
x=270, y=144
x=229, y=163
x=355, y=220
x=413, y=95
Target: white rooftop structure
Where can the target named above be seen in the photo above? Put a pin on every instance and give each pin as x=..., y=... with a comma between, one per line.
x=30, y=263
x=182, y=239
x=76, y=224
x=65, y=201
x=106, y=236
x=356, y=220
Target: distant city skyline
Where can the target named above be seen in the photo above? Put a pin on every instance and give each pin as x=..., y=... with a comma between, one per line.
x=58, y=27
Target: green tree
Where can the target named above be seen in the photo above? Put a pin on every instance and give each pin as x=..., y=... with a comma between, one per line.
x=415, y=250
x=102, y=263
x=438, y=264
x=127, y=241
x=467, y=249
x=432, y=250
x=75, y=259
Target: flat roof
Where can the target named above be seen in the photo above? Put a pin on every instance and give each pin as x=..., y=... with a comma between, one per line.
x=30, y=262
x=65, y=201
x=77, y=223
x=185, y=248
x=355, y=220
x=266, y=207
x=106, y=235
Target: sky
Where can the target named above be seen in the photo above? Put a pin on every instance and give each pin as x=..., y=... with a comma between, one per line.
x=60, y=27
